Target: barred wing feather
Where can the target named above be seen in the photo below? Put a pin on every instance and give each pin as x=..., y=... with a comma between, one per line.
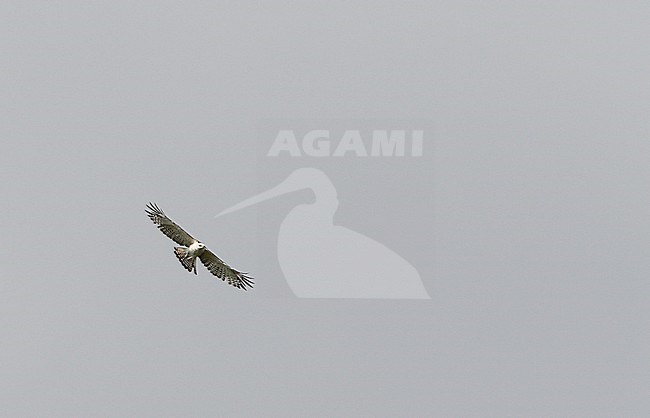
x=219, y=268
x=167, y=226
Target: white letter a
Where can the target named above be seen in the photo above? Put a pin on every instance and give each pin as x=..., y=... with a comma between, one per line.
x=285, y=141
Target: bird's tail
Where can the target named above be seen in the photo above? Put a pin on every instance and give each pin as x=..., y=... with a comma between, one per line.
x=188, y=262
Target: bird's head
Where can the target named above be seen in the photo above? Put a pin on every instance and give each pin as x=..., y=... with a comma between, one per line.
x=302, y=178
x=201, y=245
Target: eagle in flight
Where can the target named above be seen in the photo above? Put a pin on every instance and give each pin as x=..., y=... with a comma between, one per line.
x=193, y=248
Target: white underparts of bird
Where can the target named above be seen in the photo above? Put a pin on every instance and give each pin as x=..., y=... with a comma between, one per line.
x=191, y=249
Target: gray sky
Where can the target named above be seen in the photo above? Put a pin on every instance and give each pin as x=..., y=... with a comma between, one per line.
x=531, y=232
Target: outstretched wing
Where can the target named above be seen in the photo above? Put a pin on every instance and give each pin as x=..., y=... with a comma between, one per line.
x=167, y=226
x=223, y=271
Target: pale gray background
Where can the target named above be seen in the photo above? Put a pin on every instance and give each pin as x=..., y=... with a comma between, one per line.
x=535, y=253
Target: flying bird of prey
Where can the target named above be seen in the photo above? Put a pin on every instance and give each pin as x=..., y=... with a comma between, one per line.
x=192, y=249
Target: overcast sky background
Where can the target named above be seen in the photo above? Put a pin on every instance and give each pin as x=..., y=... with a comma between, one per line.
x=535, y=253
